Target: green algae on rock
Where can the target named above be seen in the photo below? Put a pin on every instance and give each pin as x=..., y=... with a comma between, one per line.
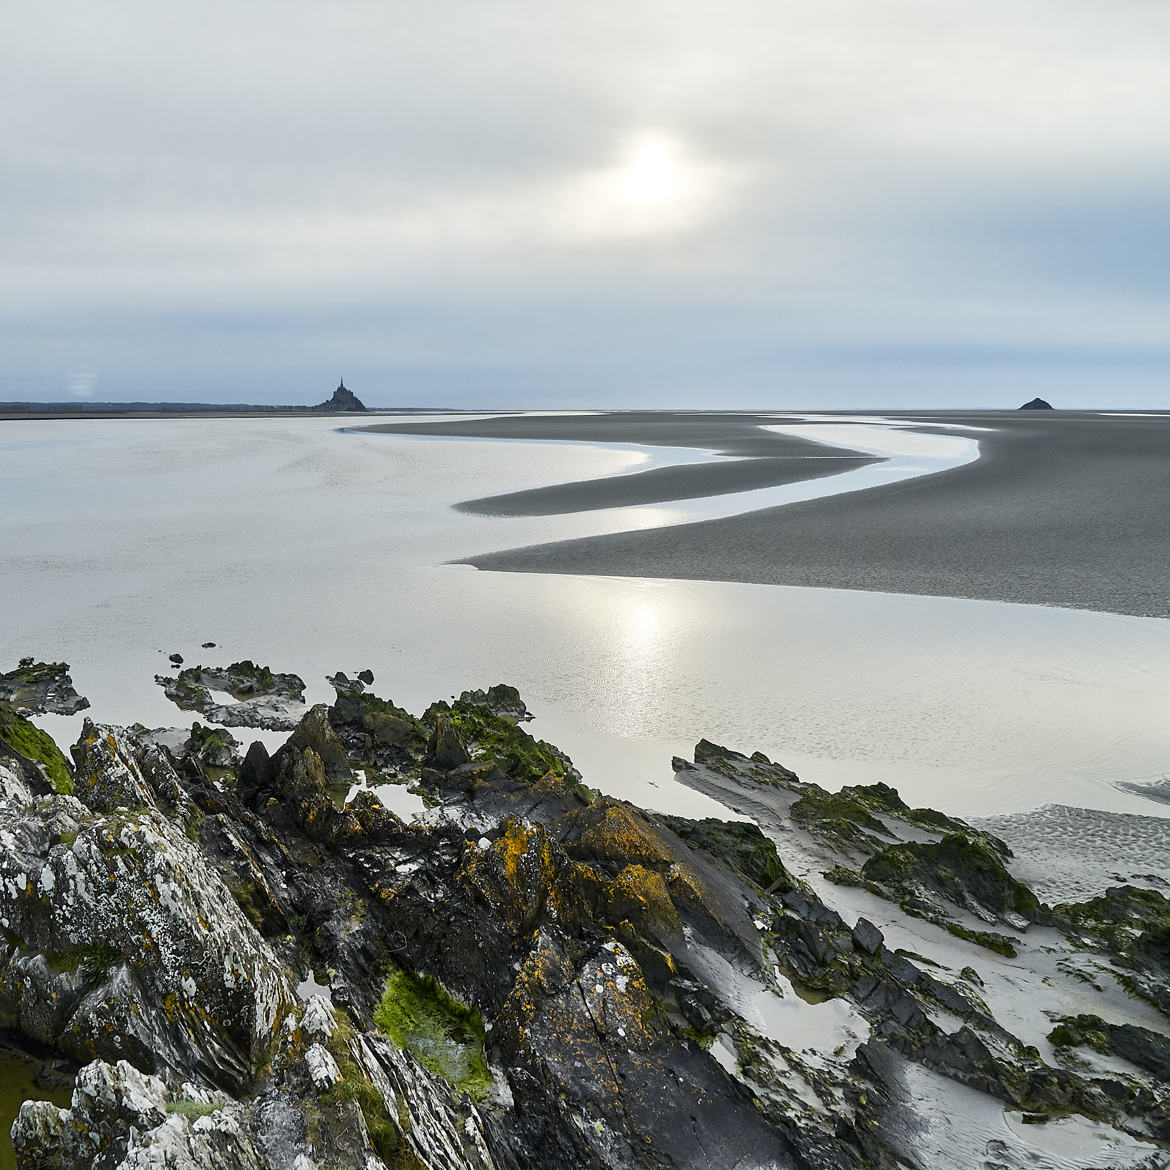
x=262, y=698
x=441, y=1033
x=741, y=846
x=490, y=738
x=39, y=687
x=967, y=873
x=841, y=818
x=36, y=746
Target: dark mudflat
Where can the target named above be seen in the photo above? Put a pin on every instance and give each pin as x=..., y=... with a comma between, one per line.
x=726, y=433
x=662, y=484
x=1063, y=508
x=760, y=458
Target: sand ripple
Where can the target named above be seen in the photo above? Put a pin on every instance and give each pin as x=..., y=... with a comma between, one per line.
x=1068, y=854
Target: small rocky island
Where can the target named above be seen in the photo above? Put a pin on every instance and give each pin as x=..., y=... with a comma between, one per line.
x=342, y=399
x=250, y=961
x=1037, y=404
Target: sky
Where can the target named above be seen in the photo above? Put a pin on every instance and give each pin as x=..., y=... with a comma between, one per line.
x=742, y=204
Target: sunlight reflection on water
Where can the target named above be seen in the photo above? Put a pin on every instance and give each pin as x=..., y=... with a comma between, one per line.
x=289, y=543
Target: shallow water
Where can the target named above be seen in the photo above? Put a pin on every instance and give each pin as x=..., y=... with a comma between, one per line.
x=17, y=1085
x=290, y=543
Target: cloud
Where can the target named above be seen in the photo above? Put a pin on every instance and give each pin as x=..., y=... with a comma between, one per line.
x=744, y=181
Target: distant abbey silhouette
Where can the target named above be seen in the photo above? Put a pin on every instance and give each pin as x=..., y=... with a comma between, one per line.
x=343, y=399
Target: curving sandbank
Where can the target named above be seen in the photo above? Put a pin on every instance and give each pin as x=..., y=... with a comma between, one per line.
x=1064, y=508
x=754, y=457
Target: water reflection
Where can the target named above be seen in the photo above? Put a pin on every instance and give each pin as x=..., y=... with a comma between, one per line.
x=288, y=543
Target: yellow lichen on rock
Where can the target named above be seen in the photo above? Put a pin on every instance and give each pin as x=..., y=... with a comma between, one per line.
x=641, y=896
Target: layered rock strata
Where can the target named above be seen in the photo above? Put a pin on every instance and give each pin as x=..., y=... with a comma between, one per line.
x=254, y=963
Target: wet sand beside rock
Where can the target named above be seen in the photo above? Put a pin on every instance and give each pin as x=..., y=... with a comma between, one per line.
x=1063, y=508
x=758, y=458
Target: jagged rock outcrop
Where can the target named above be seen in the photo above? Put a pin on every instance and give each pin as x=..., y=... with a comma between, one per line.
x=41, y=687
x=212, y=746
x=122, y=1120
x=501, y=700
x=956, y=869
x=262, y=698
x=1132, y=926
x=1142, y=1047
x=533, y=974
x=120, y=939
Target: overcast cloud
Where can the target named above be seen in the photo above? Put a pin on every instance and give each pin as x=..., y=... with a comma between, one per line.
x=838, y=202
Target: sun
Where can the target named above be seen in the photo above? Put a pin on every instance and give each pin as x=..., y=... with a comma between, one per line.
x=654, y=184
x=652, y=173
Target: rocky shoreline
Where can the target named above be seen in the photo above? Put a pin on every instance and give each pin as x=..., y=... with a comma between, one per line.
x=250, y=961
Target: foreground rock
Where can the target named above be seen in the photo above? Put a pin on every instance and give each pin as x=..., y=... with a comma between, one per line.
x=532, y=974
x=121, y=1118
x=31, y=755
x=122, y=940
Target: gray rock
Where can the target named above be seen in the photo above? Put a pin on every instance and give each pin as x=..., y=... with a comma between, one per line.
x=214, y=746
x=151, y=957
x=119, y=1120
x=109, y=1102
x=320, y=1020
x=315, y=731
x=41, y=687
x=263, y=698
x=443, y=1129
x=501, y=700
x=323, y=1070
x=867, y=937
x=107, y=775
x=445, y=750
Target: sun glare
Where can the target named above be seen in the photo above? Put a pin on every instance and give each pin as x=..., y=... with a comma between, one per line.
x=652, y=172
x=654, y=185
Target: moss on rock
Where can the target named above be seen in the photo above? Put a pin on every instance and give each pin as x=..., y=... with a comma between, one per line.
x=965, y=871
x=41, y=687
x=442, y=1034
x=840, y=817
x=1119, y=918
x=740, y=845
x=503, y=699
x=992, y=940
x=32, y=743
x=755, y=767
x=488, y=737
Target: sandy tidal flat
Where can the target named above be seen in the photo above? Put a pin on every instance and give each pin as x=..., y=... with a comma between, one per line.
x=289, y=542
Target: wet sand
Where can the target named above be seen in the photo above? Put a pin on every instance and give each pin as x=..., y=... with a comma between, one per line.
x=760, y=459
x=1063, y=508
